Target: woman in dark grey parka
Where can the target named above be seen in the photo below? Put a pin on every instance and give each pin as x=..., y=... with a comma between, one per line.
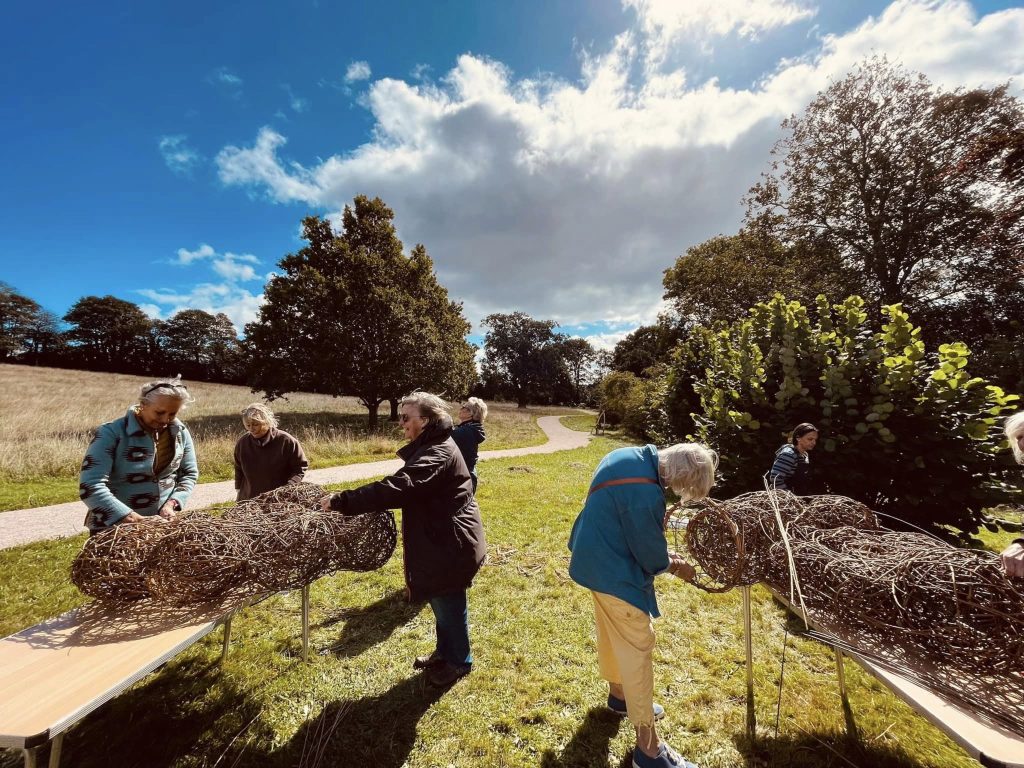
x=442, y=532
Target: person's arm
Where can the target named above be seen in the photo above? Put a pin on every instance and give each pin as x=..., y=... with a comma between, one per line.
x=239, y=470
x=94, y=479
x=391, y=492
x=782, y=470
x=1013, y=559
x=188, y=472
x=642, y=527
x=296, y=461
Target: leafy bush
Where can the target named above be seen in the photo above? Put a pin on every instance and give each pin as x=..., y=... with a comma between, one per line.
x=907, y=431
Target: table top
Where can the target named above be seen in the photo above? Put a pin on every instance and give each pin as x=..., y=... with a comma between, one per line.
x=55, y=673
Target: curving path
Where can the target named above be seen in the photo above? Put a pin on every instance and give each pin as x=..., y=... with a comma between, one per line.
x=23, y=526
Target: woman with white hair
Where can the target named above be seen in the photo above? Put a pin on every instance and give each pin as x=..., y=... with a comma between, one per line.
x=442, y=533
x=470, y=433
x=618, y=546
x=265, y=457
x=1013, y=555
x=141, y=466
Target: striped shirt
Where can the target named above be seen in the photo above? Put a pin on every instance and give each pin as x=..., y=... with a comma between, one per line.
x=787, y=461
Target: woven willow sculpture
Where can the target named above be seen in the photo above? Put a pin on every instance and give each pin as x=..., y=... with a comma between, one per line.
x=944, y=616
x=278, y=540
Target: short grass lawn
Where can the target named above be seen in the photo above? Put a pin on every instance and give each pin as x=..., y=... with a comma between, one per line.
x=534, y=697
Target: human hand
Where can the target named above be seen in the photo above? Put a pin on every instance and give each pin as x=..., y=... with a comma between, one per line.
x=679, y=568
x=133, y=517
x=325, y=503
x=1013, y=560
x=167, y=511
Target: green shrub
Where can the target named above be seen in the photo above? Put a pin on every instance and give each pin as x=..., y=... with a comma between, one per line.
x=907, y=431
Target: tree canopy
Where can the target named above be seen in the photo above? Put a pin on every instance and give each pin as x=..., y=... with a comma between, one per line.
x=110, y=334
x=525, y=356
x=906, y=181
x=352, y=315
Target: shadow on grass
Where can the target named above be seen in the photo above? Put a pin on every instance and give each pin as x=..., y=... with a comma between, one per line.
x=367, y=625
x=589, y=745
x=820, y=750
x=377, y=731
x=293, y=423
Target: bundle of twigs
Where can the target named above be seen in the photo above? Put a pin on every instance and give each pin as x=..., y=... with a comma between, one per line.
x=112, y=564
x=732, y=541
x=946, y=617
x=279, y=540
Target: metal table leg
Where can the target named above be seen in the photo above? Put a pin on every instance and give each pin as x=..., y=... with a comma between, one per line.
x=851, y=725
x=305, y=623
x=55, y=747
x=748, y=646
x=227, y=639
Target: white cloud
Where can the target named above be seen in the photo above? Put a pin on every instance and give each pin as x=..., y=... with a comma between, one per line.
x=237, y=303
x=225, y=77
x=297, y=103
x=227, y=81
x=186, y=257
x=177, y=154
x=357, y=70
x=230, y=266
x=230, y=269
x=567, y=200
x=666, y=19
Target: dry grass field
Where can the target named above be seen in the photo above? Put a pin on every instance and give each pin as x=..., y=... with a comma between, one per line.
x=47, y=416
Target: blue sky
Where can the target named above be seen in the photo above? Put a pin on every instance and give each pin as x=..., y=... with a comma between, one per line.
x=553, y=157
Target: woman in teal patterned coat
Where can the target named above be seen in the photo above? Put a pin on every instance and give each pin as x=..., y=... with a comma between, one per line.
x=141, y=466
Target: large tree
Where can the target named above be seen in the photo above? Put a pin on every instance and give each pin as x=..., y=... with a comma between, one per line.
x=879, y=165
x=644, y=348
x=199, y=344
x=26, y=329
x=352, y=315
x=110, y=334
x=719, y=279
x=524, y=354
x=580, y=359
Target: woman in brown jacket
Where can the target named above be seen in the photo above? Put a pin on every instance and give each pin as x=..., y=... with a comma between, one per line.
x=441, y=528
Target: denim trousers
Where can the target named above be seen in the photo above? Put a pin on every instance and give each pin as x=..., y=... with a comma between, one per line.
x=451, y=616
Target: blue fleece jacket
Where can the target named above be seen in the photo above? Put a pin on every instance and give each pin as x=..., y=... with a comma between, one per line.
x=618, y=540
x=117, y=472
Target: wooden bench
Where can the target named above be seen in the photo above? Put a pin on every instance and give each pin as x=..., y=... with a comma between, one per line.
x=988, y=743
x=57, y=672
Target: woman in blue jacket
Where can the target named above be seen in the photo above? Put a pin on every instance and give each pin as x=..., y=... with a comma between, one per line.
x=141, y=466
x=618, y=546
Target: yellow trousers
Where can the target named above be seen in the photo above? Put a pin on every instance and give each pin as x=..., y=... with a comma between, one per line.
x=625, y=643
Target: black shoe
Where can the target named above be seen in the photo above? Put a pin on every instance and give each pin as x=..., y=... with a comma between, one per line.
x=426, y=662
x=444, y=674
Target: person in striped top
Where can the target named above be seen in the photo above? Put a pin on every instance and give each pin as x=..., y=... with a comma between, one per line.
x=791, y=470
x=1013, y=556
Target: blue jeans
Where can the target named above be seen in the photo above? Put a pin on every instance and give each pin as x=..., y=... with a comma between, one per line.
x=451, y=616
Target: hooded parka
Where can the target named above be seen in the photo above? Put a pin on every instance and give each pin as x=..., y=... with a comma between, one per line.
x=442, y=533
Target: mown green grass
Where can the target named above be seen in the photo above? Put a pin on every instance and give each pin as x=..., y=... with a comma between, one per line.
x=534, y=698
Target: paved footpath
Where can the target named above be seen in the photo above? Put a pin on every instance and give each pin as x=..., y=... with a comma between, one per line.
x=24, y=526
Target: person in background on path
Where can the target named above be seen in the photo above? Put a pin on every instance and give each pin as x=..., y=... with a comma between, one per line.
x=141, y=466
x=442, y=532
x=618, y=546
x=470, y=433
x=791, y=470
x=265, y=457
x=1013, y=555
